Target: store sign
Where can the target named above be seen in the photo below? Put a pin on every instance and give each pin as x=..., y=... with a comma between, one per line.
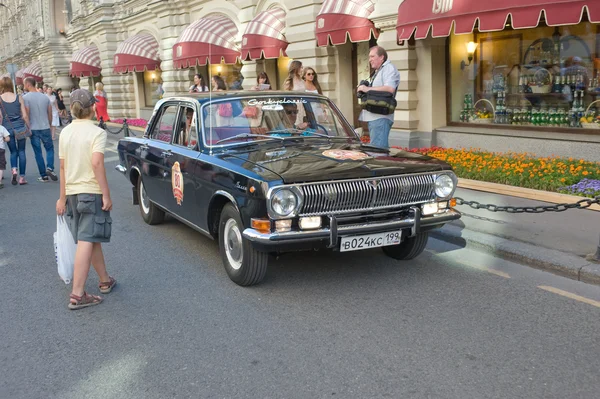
x=321, y=23
x=441, y=6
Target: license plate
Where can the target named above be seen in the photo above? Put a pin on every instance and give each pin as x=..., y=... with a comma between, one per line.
x=356, y=243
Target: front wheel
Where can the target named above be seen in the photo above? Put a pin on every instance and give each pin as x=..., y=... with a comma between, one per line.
x=244, y=265
x=150, y=212
x=408, y=249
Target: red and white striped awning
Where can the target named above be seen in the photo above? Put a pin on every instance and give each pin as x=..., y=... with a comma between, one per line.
x=339, y=21
x=419, y=18
x=19, y=76
x=210, y=39
x=137, y=54
x=265, y=36
x=85, y=62
x=34, y=71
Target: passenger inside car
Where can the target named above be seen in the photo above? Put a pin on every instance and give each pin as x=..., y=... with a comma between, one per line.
x=185, y=128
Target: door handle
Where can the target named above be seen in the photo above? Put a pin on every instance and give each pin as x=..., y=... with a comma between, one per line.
x=166, y=154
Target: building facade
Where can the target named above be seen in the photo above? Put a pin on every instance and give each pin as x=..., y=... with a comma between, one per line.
x=144, y=49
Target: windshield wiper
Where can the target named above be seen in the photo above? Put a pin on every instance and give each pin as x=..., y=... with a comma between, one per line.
x=374, y=147
x=304, y=133
x=247, y=136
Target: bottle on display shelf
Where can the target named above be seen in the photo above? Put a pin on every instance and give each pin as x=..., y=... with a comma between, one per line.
x=556, y=86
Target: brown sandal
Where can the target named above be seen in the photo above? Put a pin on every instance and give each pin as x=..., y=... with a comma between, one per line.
x=107, y=287
x=78, y=302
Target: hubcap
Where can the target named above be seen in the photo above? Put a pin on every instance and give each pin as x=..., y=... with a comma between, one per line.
x=232, y=240
x=144, y=201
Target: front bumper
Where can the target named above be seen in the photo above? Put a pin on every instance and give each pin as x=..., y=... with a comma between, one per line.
x=328, y=237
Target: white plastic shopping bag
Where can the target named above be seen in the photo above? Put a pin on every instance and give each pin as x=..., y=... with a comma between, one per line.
x=64, y=249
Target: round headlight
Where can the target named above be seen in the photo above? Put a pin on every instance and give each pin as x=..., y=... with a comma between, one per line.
x=284, y=202
x=444, y=186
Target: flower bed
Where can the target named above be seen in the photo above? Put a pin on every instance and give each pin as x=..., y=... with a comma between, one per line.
x=132, y=122
x=570, y=176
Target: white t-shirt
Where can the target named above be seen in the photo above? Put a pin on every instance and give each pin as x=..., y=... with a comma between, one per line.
x=197, y=89
x=77, y=142
x=3, y=133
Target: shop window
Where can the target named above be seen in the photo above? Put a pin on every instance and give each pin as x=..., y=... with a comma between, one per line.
x=541, y=77
x=231, y=74
x=152, y=86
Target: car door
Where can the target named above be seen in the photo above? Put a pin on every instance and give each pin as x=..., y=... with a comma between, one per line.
x=156, y=151
x=180, y=160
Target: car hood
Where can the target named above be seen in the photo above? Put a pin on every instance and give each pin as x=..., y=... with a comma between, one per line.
x=309, y=163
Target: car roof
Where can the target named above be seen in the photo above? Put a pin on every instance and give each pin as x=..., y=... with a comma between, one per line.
x=203, y=97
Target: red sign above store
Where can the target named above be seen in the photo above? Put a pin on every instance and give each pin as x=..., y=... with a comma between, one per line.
x=420, y=17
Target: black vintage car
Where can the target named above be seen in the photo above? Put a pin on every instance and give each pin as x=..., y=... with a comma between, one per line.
x=269, y=172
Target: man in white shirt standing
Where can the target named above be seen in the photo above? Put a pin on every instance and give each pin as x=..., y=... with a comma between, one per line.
x=386, y=78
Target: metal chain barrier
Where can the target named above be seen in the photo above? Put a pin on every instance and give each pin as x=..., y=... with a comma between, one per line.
x=124, y=128
x=584, y=203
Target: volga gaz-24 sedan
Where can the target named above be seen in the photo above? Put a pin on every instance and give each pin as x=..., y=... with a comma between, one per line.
x=271, y=172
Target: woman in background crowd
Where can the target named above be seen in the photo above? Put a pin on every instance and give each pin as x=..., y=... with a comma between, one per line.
x=199, y=84
x=14, y=118
x=60, y=102
x=218, y=84
x=54, y=105
x=262, y=82
x=311, y=82
x=294, y=81
x=102, y=104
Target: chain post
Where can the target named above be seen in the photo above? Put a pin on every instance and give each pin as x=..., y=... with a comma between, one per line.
x=101, y=123
x=125, y=128
x=595, y=257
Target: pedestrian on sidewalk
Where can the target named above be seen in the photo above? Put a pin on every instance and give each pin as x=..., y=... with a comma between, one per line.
x=4, y=138
x=55, y=117
x=294, y=81
x=311, y=81
x=199, y=86
x=385, y=78
x=14, y=118
x=102, y=103
x=40, y=117
x=85, y=197
x=60, y=102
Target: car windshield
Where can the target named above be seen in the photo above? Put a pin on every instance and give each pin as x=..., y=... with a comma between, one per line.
x=251, y=119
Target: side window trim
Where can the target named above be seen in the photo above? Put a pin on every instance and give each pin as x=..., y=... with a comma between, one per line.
x=158, y=119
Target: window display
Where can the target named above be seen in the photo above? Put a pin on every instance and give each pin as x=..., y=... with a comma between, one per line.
x=541, y=77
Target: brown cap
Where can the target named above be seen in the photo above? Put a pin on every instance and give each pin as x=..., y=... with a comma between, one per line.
x=83, y=97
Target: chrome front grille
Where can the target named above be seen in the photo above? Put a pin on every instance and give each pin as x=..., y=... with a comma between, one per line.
x=334, y=198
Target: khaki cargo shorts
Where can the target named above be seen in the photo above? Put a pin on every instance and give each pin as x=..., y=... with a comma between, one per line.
x=87, y=221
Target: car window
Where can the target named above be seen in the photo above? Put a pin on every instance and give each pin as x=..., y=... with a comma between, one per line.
x=186, y=134
x=163, y=129
x=271, y=116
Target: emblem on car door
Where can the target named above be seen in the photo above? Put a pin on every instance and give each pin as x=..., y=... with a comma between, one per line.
x=177, y=182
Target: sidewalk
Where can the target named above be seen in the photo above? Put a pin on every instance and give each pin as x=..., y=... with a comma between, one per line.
x=553, y=241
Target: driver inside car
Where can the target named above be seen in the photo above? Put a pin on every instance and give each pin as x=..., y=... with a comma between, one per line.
x=289, y=122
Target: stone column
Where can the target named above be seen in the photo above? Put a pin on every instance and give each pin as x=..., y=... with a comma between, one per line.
x=171, y=19
x=300, y=33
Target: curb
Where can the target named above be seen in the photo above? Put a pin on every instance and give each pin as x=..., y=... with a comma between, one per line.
x=550, y=260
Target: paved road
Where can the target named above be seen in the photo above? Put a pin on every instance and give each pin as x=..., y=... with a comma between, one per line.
x=453, y=324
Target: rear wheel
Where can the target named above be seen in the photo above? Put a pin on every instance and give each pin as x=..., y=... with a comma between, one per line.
x=244, y=265
x=408, y=249
x=150, y=212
